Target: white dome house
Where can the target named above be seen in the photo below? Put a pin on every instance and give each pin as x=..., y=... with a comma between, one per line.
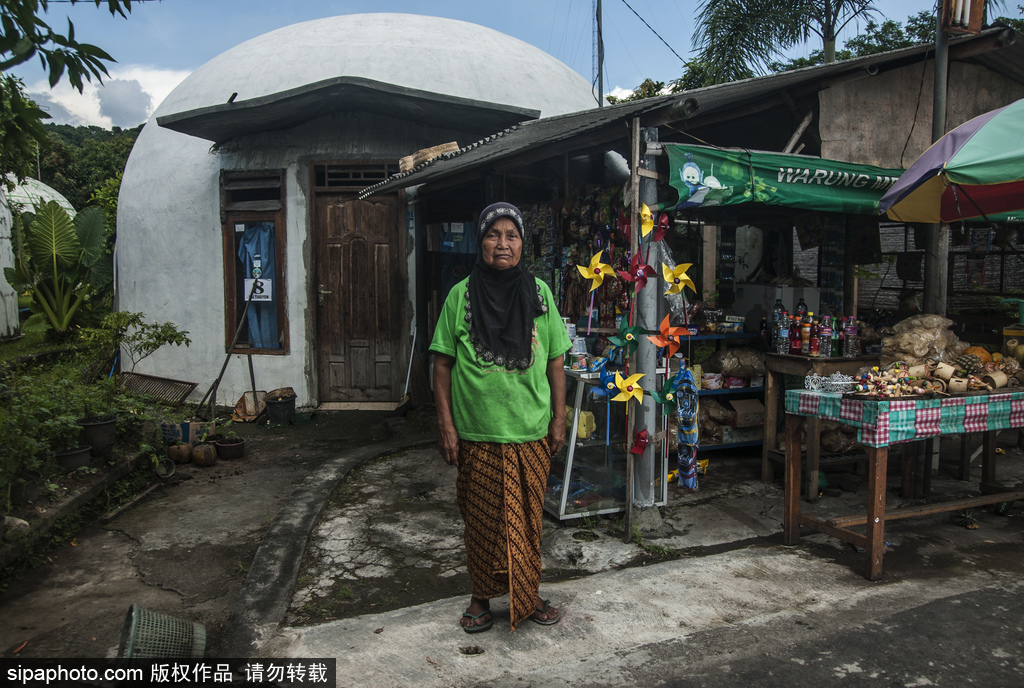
x=244, y=183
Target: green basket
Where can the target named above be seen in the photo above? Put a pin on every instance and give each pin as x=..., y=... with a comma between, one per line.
x=152, y=635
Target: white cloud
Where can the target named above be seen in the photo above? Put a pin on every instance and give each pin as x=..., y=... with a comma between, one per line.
x=619, y=92
x=67, y=106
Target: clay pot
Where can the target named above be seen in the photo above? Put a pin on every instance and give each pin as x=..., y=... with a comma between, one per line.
x=230, y=448
x=180, y=453
x=204, y=454
x=70, y=459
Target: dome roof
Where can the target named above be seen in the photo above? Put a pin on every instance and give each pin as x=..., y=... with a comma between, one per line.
x=444, y=56
x=32, y=192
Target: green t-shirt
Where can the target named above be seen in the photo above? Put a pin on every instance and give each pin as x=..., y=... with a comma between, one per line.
x=490, y=402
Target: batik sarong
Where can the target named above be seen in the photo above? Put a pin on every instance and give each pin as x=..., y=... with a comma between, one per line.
x=500, y=490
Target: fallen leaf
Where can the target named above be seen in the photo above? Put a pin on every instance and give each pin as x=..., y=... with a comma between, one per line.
x=379, y=630
x=74, y=542
x=471, y=650
x=432, y=662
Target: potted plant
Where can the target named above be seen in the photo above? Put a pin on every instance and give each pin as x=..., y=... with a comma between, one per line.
x=99, y=426
x=63, y=435
x=231, y=446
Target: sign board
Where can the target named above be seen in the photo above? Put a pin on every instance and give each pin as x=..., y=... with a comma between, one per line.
x=264, y=289
x=707, y=177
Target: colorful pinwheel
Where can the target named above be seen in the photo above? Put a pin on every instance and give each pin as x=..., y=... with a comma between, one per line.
x=623, y=224
x=628, y=337
x=638, y=273
x=677, y=278
x=646, y=220
x=607, y=383
x=629, y=387
x=596, y=271
x=640, y=442
x=666, y=397
x=662, y=229
x=670, y=337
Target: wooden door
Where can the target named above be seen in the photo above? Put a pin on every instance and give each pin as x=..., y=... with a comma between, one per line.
x=360, y=296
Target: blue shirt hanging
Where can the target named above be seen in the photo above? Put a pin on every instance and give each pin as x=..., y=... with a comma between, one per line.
x=256, y=251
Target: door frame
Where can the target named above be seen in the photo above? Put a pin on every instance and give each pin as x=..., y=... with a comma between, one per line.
x=401, y=345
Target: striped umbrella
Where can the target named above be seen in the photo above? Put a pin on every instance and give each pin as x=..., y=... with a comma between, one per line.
x=973, y=171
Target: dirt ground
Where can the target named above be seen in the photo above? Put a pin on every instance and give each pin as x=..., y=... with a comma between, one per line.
x=183, y=549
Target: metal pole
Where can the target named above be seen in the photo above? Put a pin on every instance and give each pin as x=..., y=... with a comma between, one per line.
x=600, y=58
x=647, y=317
x=936, y=253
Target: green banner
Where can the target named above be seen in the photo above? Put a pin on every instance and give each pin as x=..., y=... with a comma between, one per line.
x=707, y=177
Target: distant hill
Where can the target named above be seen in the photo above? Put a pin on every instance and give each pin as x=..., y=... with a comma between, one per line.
x=81, y=159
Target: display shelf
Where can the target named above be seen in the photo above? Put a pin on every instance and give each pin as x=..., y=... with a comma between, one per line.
x=729, y=445
x=588, y=476
x=735, y=391
x=732, y=392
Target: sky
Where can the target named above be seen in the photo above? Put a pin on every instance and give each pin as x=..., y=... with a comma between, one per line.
x=162, y=41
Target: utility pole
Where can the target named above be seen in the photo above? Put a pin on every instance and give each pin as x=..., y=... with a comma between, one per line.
x=936, y=253
x=598, y=53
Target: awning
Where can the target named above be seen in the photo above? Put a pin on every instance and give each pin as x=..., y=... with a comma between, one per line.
x=707, y=177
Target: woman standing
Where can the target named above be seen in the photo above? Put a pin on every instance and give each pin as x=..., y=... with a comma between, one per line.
x=499, y=385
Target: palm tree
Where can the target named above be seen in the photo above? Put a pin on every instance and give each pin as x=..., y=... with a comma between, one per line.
x=739, y=38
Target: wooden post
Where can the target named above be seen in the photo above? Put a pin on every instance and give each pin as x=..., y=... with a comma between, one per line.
x=878, y=458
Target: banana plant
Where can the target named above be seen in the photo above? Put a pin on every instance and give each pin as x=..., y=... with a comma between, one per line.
x=60, y=263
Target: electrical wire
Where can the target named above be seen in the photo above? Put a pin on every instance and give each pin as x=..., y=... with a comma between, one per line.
x=653, y=31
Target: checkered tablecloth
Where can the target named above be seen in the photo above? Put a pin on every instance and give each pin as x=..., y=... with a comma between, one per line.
x=881, y=423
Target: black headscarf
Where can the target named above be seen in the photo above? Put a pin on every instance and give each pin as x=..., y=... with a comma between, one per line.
x=503, y=303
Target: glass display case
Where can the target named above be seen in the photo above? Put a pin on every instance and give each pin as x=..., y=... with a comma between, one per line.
x=588, y=476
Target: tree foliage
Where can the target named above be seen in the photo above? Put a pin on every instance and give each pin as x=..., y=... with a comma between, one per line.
x=25, y=35
x=737, y=39
x=81, y=160
x=60, y=262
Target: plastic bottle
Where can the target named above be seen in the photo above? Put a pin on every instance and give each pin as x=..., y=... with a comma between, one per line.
x=766, y=334
x=837, y=337
x=782, y=334
x=777, y=312
x=794, y=335
x=851, y=342
x=825, y=348
x=801, y=308
x=815, y=350
x=805, y=334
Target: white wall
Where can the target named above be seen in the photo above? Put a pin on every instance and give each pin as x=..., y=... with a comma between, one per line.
x=9, y=325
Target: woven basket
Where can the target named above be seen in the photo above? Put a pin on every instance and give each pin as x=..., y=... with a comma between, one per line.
x=428, y=154
x=151, y=635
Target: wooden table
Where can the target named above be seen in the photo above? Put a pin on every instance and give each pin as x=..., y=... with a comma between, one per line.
x=777, y=365
x=883, y=423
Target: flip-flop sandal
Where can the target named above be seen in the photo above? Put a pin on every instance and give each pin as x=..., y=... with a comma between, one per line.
x=475, y=627
x=544, y=610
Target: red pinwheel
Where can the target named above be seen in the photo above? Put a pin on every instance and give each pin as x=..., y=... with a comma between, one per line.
x=661, y=229
x=624, y=224
x=670, y=337
x=640, y=442
x=638, y=273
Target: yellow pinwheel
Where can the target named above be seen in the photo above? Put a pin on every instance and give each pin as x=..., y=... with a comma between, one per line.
x=677, y=278
x=630, y=387
x=596, y=271
x=646, y=220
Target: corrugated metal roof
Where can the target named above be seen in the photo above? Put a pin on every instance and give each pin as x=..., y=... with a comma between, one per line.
x=219, y=123
x=996, y=49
